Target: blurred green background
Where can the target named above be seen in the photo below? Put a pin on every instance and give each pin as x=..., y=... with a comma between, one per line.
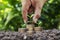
x=11, y=18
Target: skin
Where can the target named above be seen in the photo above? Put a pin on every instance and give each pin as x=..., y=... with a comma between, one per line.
x=36, y=7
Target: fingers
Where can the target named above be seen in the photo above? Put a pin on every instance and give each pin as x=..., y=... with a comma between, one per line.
x=38, y=8
x=25, y=6
x=24, y=15
x=37, y=14
x=35, y=20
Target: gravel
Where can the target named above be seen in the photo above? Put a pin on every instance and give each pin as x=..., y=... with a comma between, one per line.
x=53, y=34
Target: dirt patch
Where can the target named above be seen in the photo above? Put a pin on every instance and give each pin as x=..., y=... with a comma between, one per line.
x=43, y=35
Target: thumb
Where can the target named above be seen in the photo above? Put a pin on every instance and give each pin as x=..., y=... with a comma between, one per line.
x=35, y=20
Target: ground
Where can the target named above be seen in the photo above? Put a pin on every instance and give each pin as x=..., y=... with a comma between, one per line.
x=53, y=34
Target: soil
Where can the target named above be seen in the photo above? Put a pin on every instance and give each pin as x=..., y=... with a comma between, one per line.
x=53, y=34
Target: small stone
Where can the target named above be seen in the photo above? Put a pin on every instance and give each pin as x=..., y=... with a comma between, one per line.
x=6, y=38
x=25, y=37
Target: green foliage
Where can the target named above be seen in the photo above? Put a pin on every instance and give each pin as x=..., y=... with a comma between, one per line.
x=11, y=17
